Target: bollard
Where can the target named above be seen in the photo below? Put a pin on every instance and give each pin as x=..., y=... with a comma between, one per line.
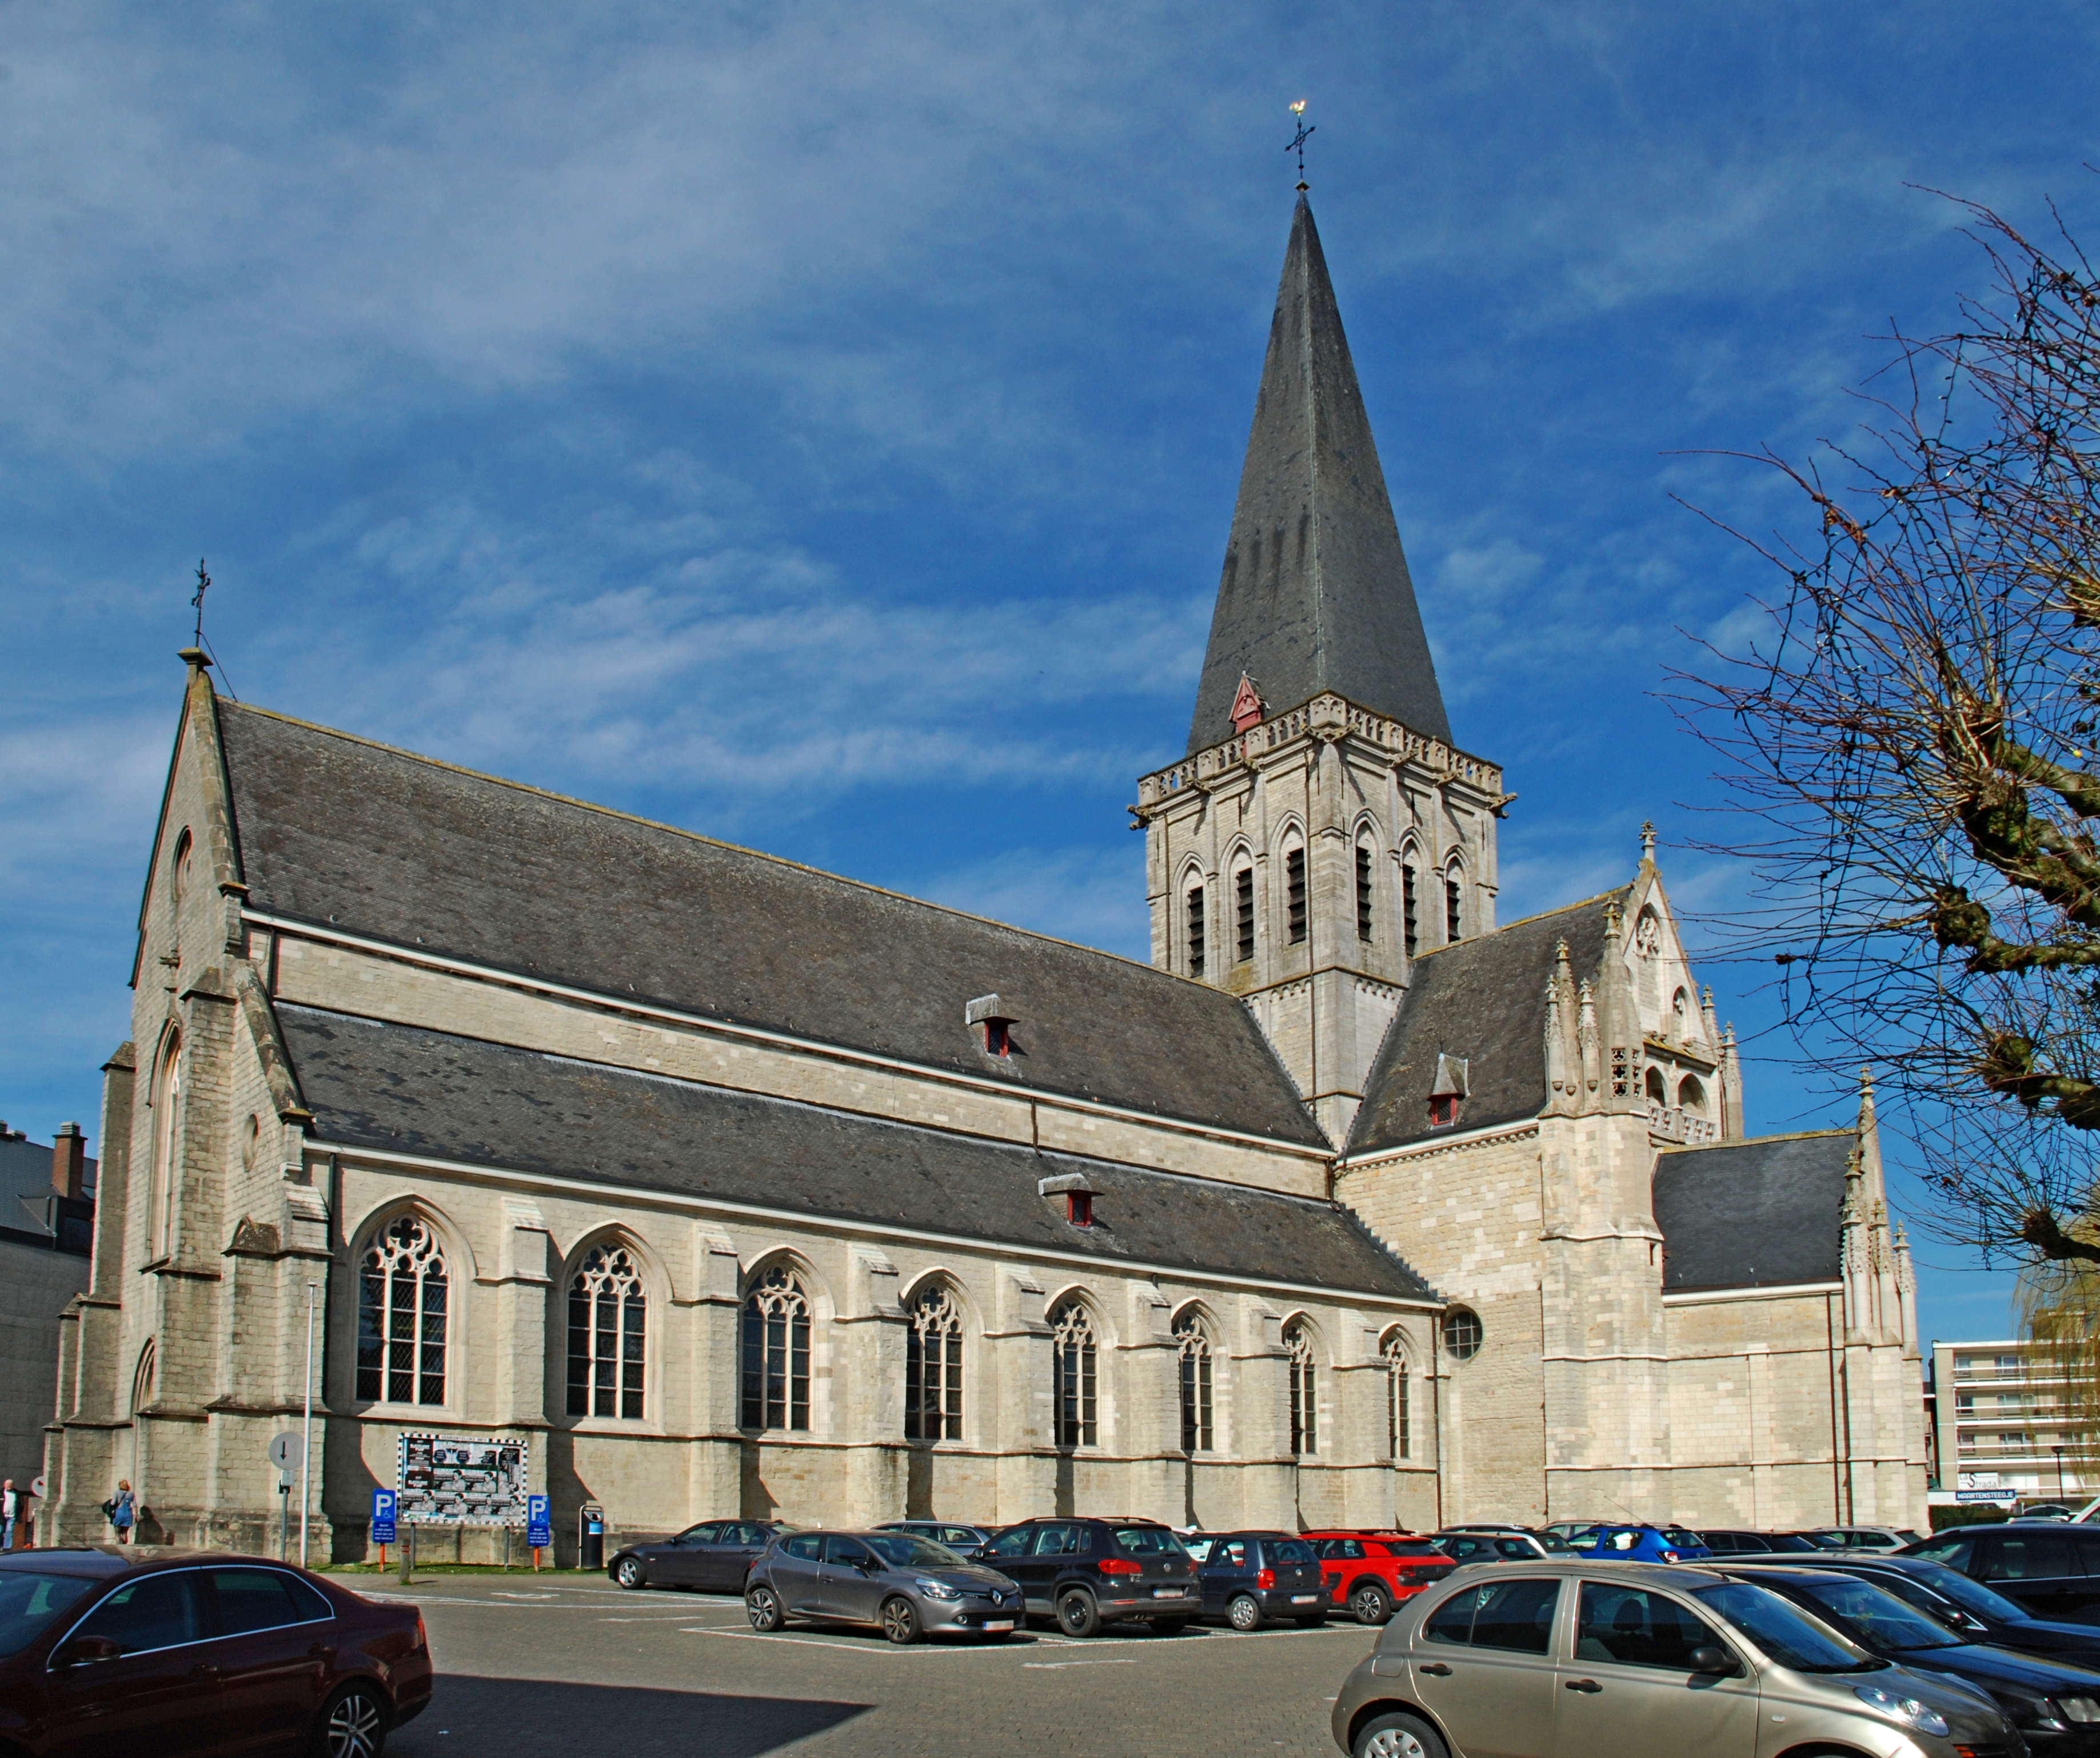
x=407, y=1554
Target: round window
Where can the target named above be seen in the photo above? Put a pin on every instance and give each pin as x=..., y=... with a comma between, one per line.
x=1461, y=1333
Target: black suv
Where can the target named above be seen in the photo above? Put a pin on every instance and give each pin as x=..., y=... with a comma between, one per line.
x=2052, y=1569
x=1087, y=1572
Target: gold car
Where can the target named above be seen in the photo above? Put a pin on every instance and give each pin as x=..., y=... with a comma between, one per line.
x=1581, y=1659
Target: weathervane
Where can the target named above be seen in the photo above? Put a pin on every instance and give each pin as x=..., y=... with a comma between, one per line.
x=1298, y=144
x=204, y=581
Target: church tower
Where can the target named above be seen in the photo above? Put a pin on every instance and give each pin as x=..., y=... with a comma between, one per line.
x=1321, y=832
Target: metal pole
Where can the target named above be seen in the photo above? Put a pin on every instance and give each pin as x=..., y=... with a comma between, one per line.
x=306, y=1433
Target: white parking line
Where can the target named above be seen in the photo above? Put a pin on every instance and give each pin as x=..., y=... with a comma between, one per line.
x=833, y=1643
x=1058, y=1666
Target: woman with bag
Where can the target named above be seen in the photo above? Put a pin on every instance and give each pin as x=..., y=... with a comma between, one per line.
x=122, y=1511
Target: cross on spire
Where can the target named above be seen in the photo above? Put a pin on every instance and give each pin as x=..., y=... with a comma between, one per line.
x=1297, y=143
x=204, y=584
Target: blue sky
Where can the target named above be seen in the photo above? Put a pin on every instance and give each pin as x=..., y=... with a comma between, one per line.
x=818, y=425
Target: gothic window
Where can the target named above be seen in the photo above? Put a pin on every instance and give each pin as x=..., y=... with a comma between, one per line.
x=1243, y=914
x=1196, y=930
x=167, y=1151
x=1407, y=928
x=1195, y=1348
x=401, y=1314
x=608, y=1335
x=1658, y=1094
x=1400, y=1442
x=1294, y=883
x=1073, y=1367
x=178, y=869
x=1692, y=1096
x=1364, y=899
x=1305, y=1390
x=1453, y=921
x=776, y=1352
x=934, y=1369
x=1462, y=1334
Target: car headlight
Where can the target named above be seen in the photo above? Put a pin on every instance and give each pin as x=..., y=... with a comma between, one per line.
x=1907, y=1710
x=2079, y=1708
x=936, y=1589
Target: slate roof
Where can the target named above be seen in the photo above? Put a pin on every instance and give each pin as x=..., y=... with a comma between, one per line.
x=1484, y=1000
x=1315, y=594
x=1761, y=1214
x=375, y=1085
x=401, y=849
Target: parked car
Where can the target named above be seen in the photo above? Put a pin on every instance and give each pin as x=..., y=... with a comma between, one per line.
x=1637, y=1543
x=1368, y=1573
x=1506, y=1543
x=714, y=1556
x=1757, y=1544
x=962, y=1538
x=1572, y=1530
x=902, y=1584
x=1862, y=1538
x=103, y=1651
x=2051, y=1568
x=1088, y=1572
x=1250, y=1578
x=1962, y=1605
x=2055, y=1707
x=1587, y=1658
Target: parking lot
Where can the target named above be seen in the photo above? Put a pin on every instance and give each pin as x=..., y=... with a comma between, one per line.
x=571, y=1666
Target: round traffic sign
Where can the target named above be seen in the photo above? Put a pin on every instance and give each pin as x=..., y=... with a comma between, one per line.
x=286, y=1451
x=37, y=1487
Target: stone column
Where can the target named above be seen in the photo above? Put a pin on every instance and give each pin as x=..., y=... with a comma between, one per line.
x=709, y=1381
x=867, y=1399
x=1261, y=1420
x=1018, y=1344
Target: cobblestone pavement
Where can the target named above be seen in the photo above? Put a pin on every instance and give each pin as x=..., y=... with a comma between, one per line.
x=575, y=1669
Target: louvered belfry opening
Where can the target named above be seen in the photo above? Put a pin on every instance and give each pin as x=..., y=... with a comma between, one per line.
x=1407, y=928
x=1294, y=881
x=1243, y=914
x=1363, y=894
x=1196, y=930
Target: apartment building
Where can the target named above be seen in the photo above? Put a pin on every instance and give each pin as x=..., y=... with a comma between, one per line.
x=2001, y=1429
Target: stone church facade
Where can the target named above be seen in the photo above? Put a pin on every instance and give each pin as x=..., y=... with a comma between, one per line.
x=716, y=1186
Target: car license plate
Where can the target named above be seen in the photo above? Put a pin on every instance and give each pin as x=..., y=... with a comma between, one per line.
x=1303, y=1599
x=1168, y=1593
x=997, y=1623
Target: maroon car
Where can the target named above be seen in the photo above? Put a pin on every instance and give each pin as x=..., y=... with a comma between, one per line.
x=106, y=1655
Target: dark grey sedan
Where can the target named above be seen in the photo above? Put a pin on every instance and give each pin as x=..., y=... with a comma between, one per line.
x=714, y=1556
x=905, y=1586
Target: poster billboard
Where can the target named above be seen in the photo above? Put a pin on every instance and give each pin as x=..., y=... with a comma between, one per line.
x=460, y=1480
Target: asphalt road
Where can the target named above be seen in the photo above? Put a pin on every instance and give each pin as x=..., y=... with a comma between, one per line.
x=576, y=1668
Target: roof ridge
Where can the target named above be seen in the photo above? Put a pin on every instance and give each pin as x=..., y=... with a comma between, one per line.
x=1526, y=921
x=1756, y=1140
x=719, y=843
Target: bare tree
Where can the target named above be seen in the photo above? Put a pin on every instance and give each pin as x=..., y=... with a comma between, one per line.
x=1912, y=735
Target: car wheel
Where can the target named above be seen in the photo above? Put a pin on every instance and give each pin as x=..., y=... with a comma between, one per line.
x=1244, y=1614
x=761, y=1604
x=1397, y=1736
x=900, y=1621
x=1169, y=1626
x=1368, y=1604
x=1077, y=1614
x=352, y=1724
x=629, y=1573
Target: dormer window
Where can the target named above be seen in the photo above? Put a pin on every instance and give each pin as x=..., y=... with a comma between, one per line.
x=996, y=1041
x=1453, y=1083
x=989, y=1012
x=1080, y=1208
x=1444, y=1110
x=1077, y=1189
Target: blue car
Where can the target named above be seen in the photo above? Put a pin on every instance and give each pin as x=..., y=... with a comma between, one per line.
x=1642, y=1545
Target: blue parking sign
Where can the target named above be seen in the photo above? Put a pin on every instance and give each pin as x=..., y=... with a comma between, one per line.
x=538, y=1528
x=382, y=1517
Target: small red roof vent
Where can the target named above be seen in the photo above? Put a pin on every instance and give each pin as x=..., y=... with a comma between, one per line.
x=1247, y=705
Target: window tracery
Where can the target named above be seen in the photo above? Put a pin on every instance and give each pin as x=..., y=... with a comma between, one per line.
x=776, y=1352
x=1400, y=1442
x=1074, y=1366
x=402, y=1314
x=1194, y=1344
x=933, y=1368
x=1304, y=1389
x=608, y=1335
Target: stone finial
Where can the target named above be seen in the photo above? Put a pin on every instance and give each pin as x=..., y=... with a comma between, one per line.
x=1647, y=844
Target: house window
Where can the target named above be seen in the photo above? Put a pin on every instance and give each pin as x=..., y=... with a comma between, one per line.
x=1243, y=913
x=1462, y=1334
x=1195, y=1347
x=1195, y=930
x=608, y=1335
x=401, y=1317
x=1400, y=1443
x=1452, y=921
x=1073, y=1364
x=1443, y=1110
x=1305, y=1390
x=776, y=1353
x=1407, y=930
x=934, y=1369
x=1363, y=894
x=1293, y=884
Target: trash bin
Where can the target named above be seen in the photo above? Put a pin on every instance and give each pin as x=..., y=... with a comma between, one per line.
x=590, y=1536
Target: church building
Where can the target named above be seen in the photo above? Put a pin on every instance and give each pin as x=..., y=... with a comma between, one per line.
x=677, y=1182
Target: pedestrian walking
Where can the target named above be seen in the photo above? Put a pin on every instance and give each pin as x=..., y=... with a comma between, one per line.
x=9, y=1506
x=122, y=1510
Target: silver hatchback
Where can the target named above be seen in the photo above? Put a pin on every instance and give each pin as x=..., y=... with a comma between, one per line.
x=904, y=1585
x=1552, y=1659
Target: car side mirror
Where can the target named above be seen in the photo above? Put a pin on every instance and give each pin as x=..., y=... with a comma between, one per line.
x=1718, y=1661
x=83, y=1650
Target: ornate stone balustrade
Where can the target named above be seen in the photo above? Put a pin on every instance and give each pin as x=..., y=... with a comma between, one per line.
x=1673, y=1123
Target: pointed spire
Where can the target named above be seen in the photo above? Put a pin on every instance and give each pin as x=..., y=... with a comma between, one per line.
x=1315, y=593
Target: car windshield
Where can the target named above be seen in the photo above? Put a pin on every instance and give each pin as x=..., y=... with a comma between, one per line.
x=1865, y=1613
x=1291, y=1550
x=31, y=1601
x=1678, y=1539
x=1784, y=1632
x=1970, y=1596
x=907, y=1550
x=1825, y=1540
x=1147, y=1541
x=1556, y=1544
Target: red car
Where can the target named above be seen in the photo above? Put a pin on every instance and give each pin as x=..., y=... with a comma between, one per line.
x=1370, y=1573
x=105, y=1656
